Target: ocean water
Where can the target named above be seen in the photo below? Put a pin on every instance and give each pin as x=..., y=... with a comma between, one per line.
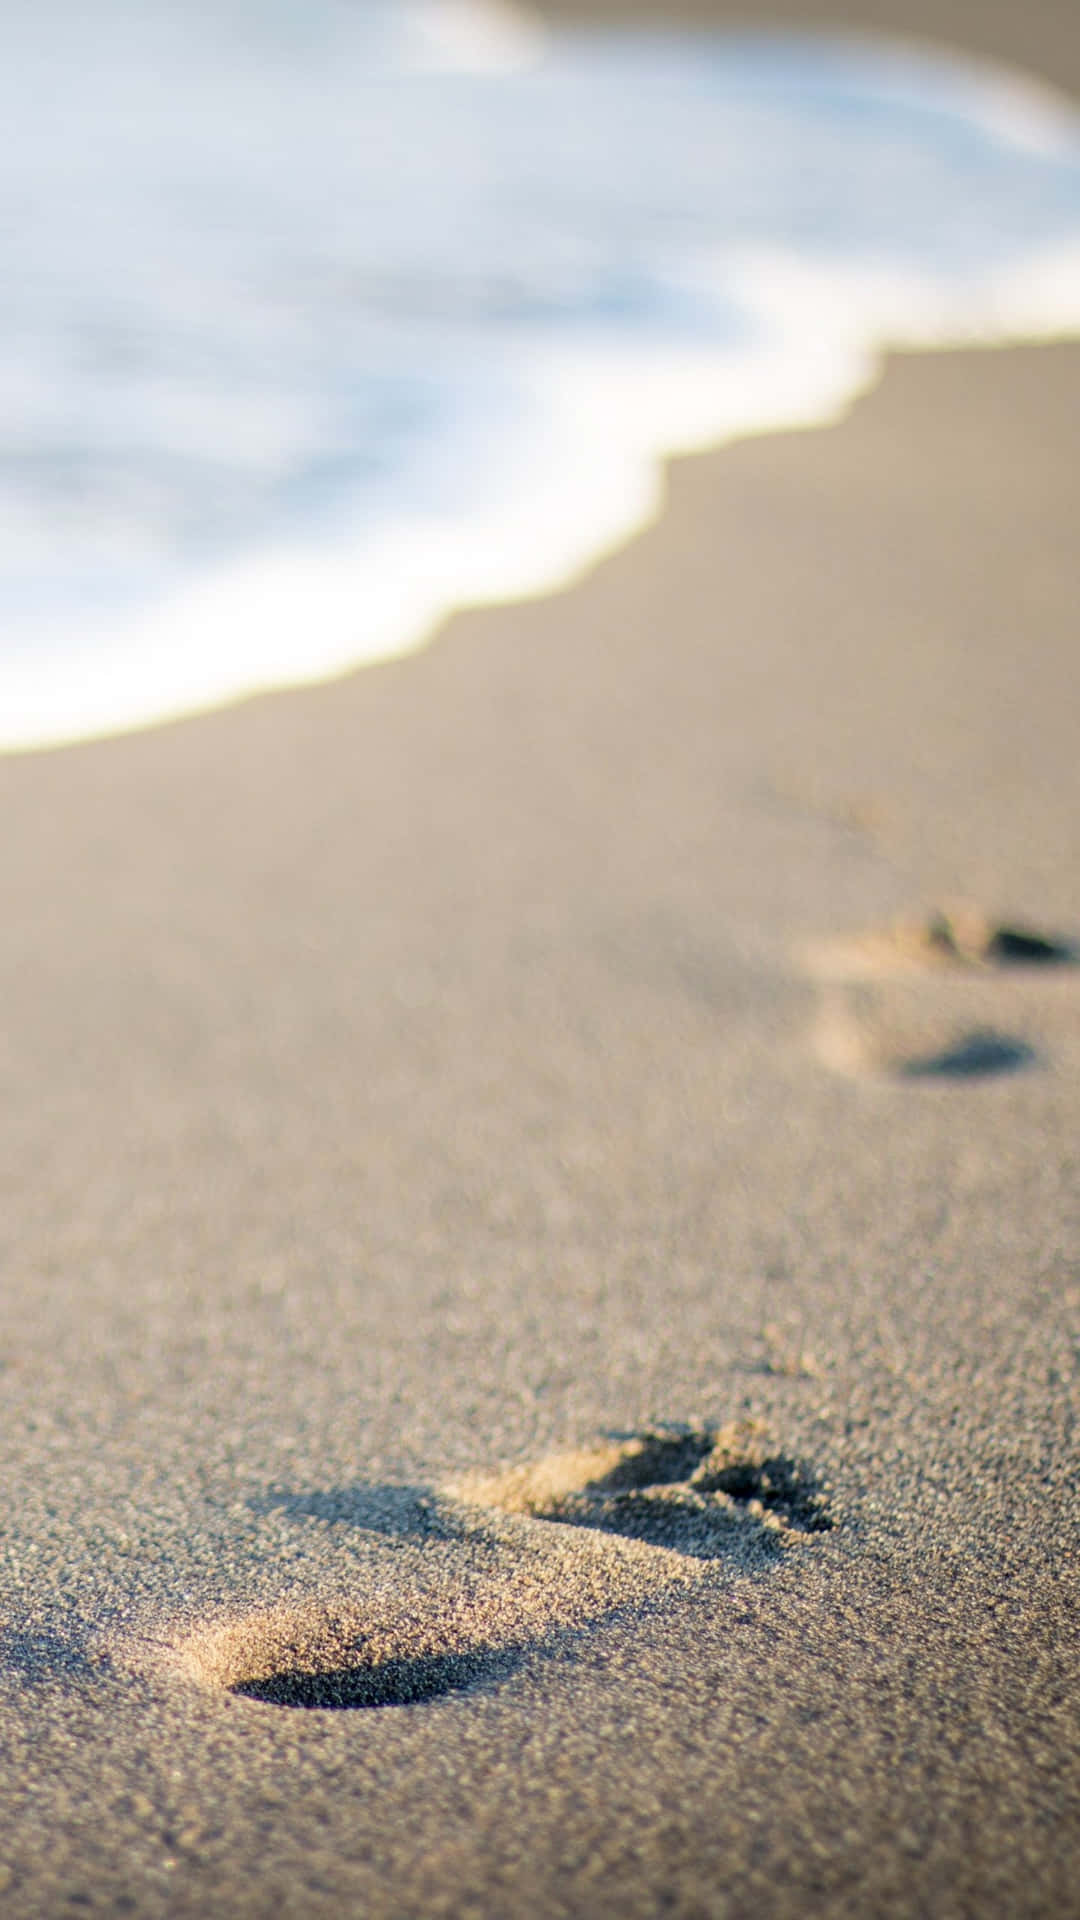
x=321, y=317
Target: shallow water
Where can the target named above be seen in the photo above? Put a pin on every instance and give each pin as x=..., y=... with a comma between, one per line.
x=319, y=320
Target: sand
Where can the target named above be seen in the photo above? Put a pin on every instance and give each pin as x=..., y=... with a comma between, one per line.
x=506, y=1413
x=1041, y=37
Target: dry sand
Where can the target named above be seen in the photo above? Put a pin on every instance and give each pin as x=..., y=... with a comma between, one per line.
x=448, y=1278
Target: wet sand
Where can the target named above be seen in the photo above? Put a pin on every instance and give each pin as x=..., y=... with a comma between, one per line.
x=1041, y=38
x=540, y=1331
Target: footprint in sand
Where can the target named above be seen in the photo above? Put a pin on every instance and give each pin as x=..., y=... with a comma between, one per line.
x=700, y=1492
x=942, y=996
x=547, y=1552
x=345, y=1655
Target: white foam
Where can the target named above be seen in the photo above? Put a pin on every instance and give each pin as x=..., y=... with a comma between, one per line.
x=602, y=255
x=472, y=36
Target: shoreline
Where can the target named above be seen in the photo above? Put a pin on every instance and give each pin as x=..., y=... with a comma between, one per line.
x=763, y=338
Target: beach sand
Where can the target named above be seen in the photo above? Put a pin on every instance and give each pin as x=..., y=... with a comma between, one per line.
x=505, y=1236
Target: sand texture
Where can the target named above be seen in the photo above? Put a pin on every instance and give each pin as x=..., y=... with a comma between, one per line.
x=526, y=1393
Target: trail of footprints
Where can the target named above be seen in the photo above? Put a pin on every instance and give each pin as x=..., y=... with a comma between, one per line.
x=949, y=995
x=574, y=1537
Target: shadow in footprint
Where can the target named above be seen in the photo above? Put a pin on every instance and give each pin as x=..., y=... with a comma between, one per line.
x=961, y=939
x=975, y=1057
x=701, y=1492
x=344, y=1653
x=386, y=1683
x=861, y=1031
x=1020, y=947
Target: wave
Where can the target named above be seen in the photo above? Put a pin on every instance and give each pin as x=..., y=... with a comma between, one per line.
x=325, y=320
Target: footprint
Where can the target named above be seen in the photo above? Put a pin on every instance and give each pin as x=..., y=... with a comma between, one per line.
x=342, y=1656
x=924, y=997
x=901, y=1037
x=958, y=939
x=509, y=1565
x=360, y=1682
x=700, y=1492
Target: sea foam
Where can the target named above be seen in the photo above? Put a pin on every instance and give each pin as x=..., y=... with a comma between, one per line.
x=323, y=319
